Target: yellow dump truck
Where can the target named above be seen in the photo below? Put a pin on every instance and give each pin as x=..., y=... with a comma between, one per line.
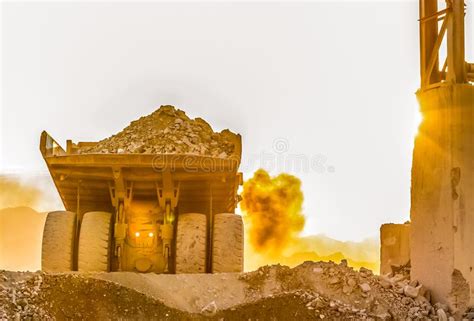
x=162, y=213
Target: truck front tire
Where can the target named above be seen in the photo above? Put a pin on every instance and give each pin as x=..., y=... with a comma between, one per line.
x=57, y=253
x=95, y=242
x=227, y=243
x=191, y=238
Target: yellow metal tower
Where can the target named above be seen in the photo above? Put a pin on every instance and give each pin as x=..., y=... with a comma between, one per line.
x=442, y=187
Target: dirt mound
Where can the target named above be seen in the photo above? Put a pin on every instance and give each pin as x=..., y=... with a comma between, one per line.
x=40, y=296
x=80, y=298
x=19, y=296
x=299, y=305
x=167, y=131
x=313, y=290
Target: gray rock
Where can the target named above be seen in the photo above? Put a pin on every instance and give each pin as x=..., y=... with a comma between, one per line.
x=411, y=291
x=441, y=315
x=365, y=287
x=210, y=309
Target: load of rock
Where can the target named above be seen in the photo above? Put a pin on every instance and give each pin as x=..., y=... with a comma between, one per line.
x=166, y=131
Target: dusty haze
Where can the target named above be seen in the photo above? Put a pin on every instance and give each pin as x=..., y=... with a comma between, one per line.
x=21, y=228
x=83, y=70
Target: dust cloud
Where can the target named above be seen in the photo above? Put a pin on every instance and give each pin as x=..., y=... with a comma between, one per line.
x=24, y=199
x=272, y=209
x=35, y=190
x=21, y=233
x=14, y=192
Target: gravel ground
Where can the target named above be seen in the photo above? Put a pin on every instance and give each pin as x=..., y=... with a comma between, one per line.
x=311, y=291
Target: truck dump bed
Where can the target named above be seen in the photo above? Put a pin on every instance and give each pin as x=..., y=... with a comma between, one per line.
x=88, y=181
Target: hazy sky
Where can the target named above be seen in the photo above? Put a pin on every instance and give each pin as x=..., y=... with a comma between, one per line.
x=329, y=83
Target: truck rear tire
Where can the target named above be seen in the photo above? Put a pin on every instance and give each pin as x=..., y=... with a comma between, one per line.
x=227, y=243
x=57, y=253
x=95, y=242
x=191, y=235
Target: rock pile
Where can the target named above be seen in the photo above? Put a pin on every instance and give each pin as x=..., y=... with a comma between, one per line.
x=338, y=291
x=386, y=297
x=18, y=298
x=167, y=131
x=310, y=291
